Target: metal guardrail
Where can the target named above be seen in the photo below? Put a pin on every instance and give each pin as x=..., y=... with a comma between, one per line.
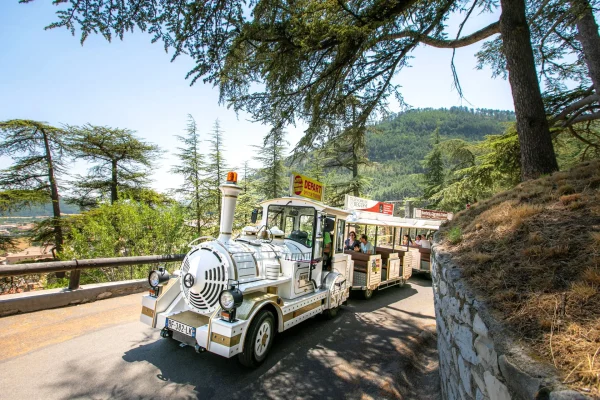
x=77, y=265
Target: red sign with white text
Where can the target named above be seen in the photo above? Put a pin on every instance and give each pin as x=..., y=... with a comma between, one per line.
x=357, y=203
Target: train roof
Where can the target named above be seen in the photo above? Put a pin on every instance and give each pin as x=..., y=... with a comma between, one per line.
x=303, y=202
x=371, y=218
x=358, y=217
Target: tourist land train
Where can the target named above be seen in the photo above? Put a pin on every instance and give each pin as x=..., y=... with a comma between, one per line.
x=231, y=296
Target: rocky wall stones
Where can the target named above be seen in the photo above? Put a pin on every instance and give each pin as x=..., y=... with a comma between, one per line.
x=473, y=364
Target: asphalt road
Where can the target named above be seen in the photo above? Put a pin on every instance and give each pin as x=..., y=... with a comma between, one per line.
x=374, y=349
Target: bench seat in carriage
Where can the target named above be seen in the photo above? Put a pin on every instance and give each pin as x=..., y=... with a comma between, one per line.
x=387, y=253
x=360, y=260
x=425, y=259
x=363, y=275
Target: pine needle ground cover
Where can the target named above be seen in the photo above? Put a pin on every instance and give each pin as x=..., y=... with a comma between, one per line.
x=533, y=255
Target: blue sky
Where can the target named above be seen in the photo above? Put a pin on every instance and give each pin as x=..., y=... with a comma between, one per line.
x=48, y=76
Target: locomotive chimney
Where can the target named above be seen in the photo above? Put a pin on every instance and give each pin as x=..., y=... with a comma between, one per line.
x=230, y=191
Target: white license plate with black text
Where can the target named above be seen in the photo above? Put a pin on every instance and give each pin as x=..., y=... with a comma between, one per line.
x=182, y=328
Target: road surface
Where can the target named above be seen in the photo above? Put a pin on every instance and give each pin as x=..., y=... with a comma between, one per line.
x=374, y=349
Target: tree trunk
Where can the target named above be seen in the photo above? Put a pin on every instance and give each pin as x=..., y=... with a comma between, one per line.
x=197, y=194
x=537, y=152
x=355, y=171
x=114, y=195
x=587, y=34
x=196, y=166
x=58, y=234
x=218, y=197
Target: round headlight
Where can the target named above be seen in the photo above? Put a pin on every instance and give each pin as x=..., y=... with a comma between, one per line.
x=154, y=279
x=227, y=301
x=158, y=277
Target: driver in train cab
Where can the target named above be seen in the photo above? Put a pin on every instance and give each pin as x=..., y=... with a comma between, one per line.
x=365, y=246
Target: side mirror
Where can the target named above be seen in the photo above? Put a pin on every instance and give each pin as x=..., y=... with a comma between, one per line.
x=254, y=216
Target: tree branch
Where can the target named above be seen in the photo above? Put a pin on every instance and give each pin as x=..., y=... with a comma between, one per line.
x=584, y=117
x=452, y=66
x=578, y=104
x=345, y=7
x=574, y=133
x=448, y=44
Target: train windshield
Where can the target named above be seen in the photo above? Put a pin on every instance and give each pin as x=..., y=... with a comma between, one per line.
x=298, y=223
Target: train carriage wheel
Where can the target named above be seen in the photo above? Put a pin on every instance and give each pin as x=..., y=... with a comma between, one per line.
x=367, y=294
x=332, y=312
x=259, y=339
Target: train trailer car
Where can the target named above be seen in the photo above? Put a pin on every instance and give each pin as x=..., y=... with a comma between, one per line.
x=391, y=262
x=231, y=296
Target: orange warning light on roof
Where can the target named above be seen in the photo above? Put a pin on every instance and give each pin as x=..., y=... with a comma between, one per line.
x=232, y=177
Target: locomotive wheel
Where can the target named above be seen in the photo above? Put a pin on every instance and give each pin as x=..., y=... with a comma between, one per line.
x=367, y=294
x=258, y=340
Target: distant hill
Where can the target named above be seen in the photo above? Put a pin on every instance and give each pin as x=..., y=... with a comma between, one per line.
x=399, y=144
x=42, y=210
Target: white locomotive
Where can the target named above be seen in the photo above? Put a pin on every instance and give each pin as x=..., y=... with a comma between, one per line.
x=231, y=296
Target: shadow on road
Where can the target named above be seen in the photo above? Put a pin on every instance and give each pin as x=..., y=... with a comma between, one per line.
x=371, y=350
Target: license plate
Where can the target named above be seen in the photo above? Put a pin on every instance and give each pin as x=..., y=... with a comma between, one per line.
x=182, y=328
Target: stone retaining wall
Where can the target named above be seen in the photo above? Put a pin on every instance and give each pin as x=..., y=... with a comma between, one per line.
x=478, y=360
x=52, y=298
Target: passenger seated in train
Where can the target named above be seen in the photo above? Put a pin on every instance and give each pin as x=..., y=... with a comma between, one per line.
x=351, y=243
x=365, y=246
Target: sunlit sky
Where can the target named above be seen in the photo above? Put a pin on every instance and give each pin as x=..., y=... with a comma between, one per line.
x=46, y=75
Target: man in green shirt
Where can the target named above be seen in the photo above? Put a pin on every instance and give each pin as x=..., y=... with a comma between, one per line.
x=327, y=245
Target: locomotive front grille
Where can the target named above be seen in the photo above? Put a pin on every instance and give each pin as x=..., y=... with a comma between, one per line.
x=210, y=277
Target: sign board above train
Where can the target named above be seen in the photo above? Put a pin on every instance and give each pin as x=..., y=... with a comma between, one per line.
x=433, y=214
x=357, y=203
x=303, y=186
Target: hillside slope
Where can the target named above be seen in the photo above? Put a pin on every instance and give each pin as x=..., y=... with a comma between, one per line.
x=533, y=255
x=398, y=145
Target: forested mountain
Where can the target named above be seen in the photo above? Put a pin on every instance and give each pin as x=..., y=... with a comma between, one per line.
x=398, y=145
x=396, y=148
x=42, y=210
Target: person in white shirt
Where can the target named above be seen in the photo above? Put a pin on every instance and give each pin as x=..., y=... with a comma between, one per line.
x=365, y=246
x=425, y=243
x=418, y=240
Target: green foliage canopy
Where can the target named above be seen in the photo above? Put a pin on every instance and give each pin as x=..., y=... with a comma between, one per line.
x=272, y=176
x=125, y=228
x=495, y=167
x=310, y=56
x=399, y=144
x=37, y=151
x=123, y=162
x=191, y=167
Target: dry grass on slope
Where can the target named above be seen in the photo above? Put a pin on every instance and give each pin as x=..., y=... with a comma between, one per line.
x=533, y=254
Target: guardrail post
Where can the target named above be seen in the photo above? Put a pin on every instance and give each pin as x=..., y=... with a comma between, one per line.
x=74, y=279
